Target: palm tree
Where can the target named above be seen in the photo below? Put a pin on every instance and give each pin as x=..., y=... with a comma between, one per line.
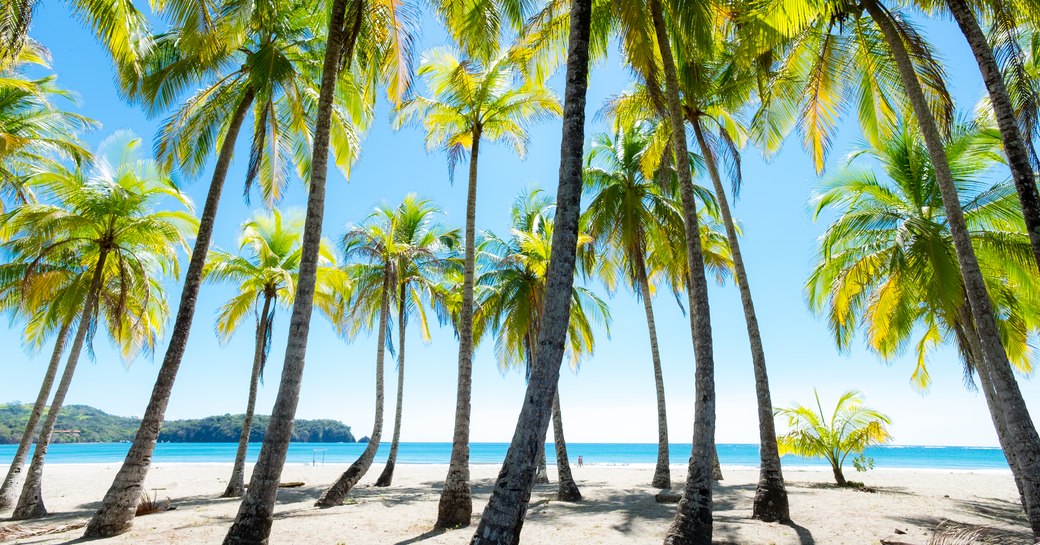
x=887, y=263
x=266, y=59
x=265, y=271
x=425, y=252
x=382, y=255
x=35, y=131
x=851, y=428
x=514, y=301
x=469, y=101
x=104, y=213
x=503, y=517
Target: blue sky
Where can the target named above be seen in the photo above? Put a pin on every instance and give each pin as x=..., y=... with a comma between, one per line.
x=611, y=397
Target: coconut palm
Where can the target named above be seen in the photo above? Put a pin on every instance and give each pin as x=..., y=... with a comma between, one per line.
x=514, y=301
x=34, y=129
x=265, y=271
x=503, y=517
x=887, y=265
x=104, y=214
x=466, y=103
x=850, y=428
x=265, y=59
x=425, y=252
x=381, y=257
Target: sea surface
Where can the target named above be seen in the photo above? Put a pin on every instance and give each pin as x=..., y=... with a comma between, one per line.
x=904, y=457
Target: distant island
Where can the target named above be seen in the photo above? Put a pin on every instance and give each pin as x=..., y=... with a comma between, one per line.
x=85, y=424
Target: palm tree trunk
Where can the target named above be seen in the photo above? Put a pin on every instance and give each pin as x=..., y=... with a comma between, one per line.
x=255, y=515
x=236, y=485
x=568, y=489
x=839, y=477
x=1022, y=436
x=542, y=473
x=692, y=524
x=770, y=495
x=30, y=502
x=13, y=480
x=116, y=514
x=662, y=473
x=335, y=494
x=456, y=504
x=387, y=476
x=1014, y=145
x=503, y=518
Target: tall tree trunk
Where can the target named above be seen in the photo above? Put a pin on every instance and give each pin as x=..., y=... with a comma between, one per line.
x=770, y=495
x=692, y=524
x=387, y=476
x=503, y=518
x=1022, y=436
x=116, y=514
x=716, y=466
x=568, y=489
x=13, y=480
x=255, y=515
x=662, y=472
x=335, y=494
x=456, y=504
x=236, y=485
x=541, y=473
x=1014, y=145
x=30, y=502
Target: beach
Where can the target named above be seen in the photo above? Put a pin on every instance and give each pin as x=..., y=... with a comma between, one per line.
x=618, y=506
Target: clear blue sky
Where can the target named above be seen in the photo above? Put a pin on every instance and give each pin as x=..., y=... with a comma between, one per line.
x=611, y=398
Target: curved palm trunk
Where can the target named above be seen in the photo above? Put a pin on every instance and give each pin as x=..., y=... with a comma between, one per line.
x=255, y=515
x=116, y=514
x=387, y=476
x=1014, y=145
x=839, y=476
x=770, y=495
x=692, y=524
x=456, y=504
x=1022, y=436
x=503, y=518
x=662, y=473
x=568, y=489
x=335, y=494
x=542, y=473
x=13, y=480
x=236, y=486
x=30, y=502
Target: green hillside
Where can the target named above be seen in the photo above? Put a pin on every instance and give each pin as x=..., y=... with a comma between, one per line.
x=84, y=424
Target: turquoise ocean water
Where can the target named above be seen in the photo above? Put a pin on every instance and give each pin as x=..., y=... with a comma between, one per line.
x=908, y=457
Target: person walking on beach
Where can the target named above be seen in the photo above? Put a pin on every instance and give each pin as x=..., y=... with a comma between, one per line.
x=581, y=461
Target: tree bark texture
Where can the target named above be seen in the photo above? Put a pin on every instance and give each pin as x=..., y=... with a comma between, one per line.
x=568, y=489
x=387, y=476
x=662, y=473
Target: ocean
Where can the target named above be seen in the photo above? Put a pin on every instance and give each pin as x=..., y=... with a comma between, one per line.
x=890, y=457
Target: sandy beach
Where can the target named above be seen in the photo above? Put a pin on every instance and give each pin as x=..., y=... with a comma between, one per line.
x=618, y=506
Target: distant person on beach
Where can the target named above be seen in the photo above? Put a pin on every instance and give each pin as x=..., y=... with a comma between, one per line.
x=581, y=462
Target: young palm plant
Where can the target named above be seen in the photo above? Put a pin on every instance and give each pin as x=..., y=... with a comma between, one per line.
x=851, y=428
x=514, y=303
x=379, y=256
x=887, y=266
x=105, y=213
x=468, y=102
x=265, y=272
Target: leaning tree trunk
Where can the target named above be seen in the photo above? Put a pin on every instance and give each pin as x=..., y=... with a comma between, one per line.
x=1014, y=145
x=116, y=514
x=770, y=495
x=692, y=524
x=1022, y=436
x=30, y=502
x=387, y=476
x=13, y=480
x=335, y=494
x=456, y=504
x=568, y=489
x=503, y=518
x=839, y=476
x=662, y=473
x=256, y=513
x=236, y=485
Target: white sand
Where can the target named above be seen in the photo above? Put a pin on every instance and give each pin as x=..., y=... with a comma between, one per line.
x=618, y=507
